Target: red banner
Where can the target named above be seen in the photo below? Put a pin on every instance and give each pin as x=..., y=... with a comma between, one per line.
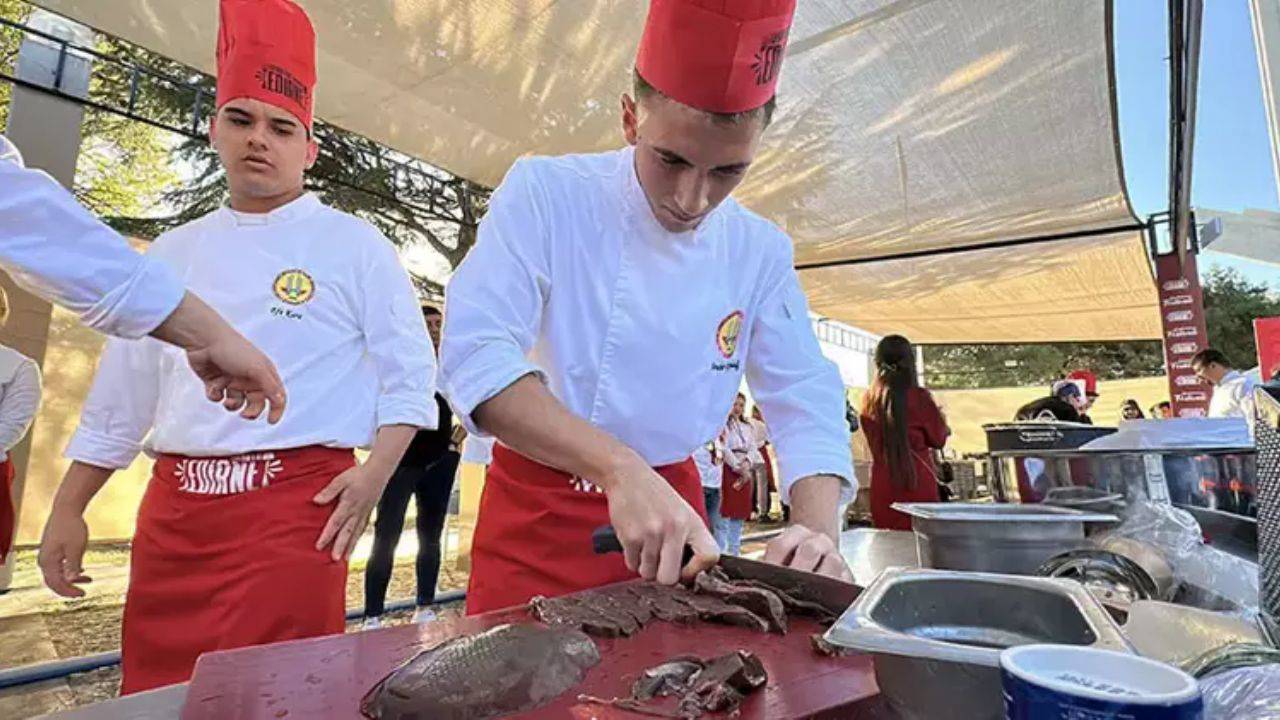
x=1266, y=332
x=1182, y=318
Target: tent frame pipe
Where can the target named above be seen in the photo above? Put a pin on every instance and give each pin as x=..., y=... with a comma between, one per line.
x=994, y=245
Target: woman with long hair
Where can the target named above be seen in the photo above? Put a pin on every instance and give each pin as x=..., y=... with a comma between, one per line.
x=741, y=461
x=903, y=426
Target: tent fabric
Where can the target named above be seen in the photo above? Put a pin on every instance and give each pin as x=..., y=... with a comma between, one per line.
x=902, y=126
x=1085, y=289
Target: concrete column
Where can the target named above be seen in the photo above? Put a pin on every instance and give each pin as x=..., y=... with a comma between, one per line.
x=46, y=129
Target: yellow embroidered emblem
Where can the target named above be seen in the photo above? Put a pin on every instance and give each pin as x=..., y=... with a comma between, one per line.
x=294, y=287
x=727, y=334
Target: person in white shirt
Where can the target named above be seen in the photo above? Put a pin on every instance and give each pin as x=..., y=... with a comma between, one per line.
x=709, y=458
x=19, y=400
x=1232, y=389
x=53, y=248
x=764, y=479
x=244, y=531
x=605, y=319
x=743, y=465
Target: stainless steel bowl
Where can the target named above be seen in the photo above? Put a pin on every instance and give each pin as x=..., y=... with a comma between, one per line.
x=936, y=635
x=986, y=537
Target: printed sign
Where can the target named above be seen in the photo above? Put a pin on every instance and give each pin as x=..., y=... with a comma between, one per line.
x=1182, y=317
x=1266, y=331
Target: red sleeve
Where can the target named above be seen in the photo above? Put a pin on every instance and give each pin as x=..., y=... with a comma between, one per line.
x=935, y=425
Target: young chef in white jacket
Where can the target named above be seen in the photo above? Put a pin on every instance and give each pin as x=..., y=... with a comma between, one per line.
x=602, y=324
x=244, y=531
x=55, y=249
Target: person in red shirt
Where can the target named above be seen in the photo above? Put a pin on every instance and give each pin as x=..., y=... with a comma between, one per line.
x=903, y=425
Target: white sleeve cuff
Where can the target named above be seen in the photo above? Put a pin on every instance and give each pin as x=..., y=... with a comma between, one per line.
x=396, y=410
x=94, y=448
x=836, y=464
x=487, y=372
x=137, y=307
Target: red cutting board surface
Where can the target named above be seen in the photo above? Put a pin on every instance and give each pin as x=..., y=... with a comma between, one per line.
x=326, y=677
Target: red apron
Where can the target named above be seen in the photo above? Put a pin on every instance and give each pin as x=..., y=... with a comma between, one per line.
x=767, y=452
x=8, y=518
x=533, y=532
x=735, y=503
x=224, y=557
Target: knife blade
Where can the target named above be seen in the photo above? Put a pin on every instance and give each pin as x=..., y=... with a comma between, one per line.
x=832, y=594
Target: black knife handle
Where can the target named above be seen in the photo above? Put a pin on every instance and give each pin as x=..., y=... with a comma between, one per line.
x=604, y=541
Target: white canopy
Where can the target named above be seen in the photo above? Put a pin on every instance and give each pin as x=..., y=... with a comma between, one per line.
x=904, y=126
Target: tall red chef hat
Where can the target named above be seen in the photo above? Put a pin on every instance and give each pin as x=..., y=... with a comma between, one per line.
x=267, y=51
x=722, y=56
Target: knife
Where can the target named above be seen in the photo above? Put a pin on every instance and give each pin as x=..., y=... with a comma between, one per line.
x=834, y=595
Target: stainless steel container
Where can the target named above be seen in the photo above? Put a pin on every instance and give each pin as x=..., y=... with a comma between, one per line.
x=1001, y=538
x=936, y=635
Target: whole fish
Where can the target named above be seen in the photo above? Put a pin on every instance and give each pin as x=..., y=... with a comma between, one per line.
x=508, y=669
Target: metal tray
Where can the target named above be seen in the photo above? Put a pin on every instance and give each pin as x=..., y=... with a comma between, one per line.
x=1000, y=512
x=985, y=537
x=936, y=635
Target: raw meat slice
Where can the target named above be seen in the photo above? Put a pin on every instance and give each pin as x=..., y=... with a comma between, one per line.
x=763, y=603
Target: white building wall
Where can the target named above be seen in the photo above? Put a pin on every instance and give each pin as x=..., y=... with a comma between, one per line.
x=849, y=348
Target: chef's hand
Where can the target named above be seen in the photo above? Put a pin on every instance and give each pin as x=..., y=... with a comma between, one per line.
x=654, y=524
x=234, y=371
x=803, y=549
x=357, y=491
x=810, y=543
x=62, y=552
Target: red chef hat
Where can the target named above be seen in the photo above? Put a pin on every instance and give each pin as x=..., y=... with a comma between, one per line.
x=722, y=56
x=1089, y=380
x=267, y=51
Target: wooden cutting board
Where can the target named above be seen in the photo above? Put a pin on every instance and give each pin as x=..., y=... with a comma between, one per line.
x=327, y=677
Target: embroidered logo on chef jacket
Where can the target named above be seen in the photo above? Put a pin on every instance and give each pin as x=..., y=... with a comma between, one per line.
x=727, y=334
x=294, y=286
x=227, y=476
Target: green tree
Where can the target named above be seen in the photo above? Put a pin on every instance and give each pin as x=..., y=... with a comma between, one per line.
x=978, y=366
x=124, y=166
x=127, y=169
x=1231, y=304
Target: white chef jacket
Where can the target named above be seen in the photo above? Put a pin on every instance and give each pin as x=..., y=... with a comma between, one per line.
x=632, y=327
x=322, y=293
x=710, y=472
x=1233, y=397
x=19, y=397
x=761, y=431
x=56, y=249
x=741, y=450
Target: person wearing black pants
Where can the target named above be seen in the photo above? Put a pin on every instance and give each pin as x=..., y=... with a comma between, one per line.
x=425, y=473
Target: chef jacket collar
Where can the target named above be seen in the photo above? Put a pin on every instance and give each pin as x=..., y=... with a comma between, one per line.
x=642, y=214
x=297, y=209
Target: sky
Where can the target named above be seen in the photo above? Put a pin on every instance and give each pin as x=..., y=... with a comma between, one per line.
x=1232, y=162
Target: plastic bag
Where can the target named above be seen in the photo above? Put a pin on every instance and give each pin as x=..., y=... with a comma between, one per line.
x=1169, y=544
x=1250, y=693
